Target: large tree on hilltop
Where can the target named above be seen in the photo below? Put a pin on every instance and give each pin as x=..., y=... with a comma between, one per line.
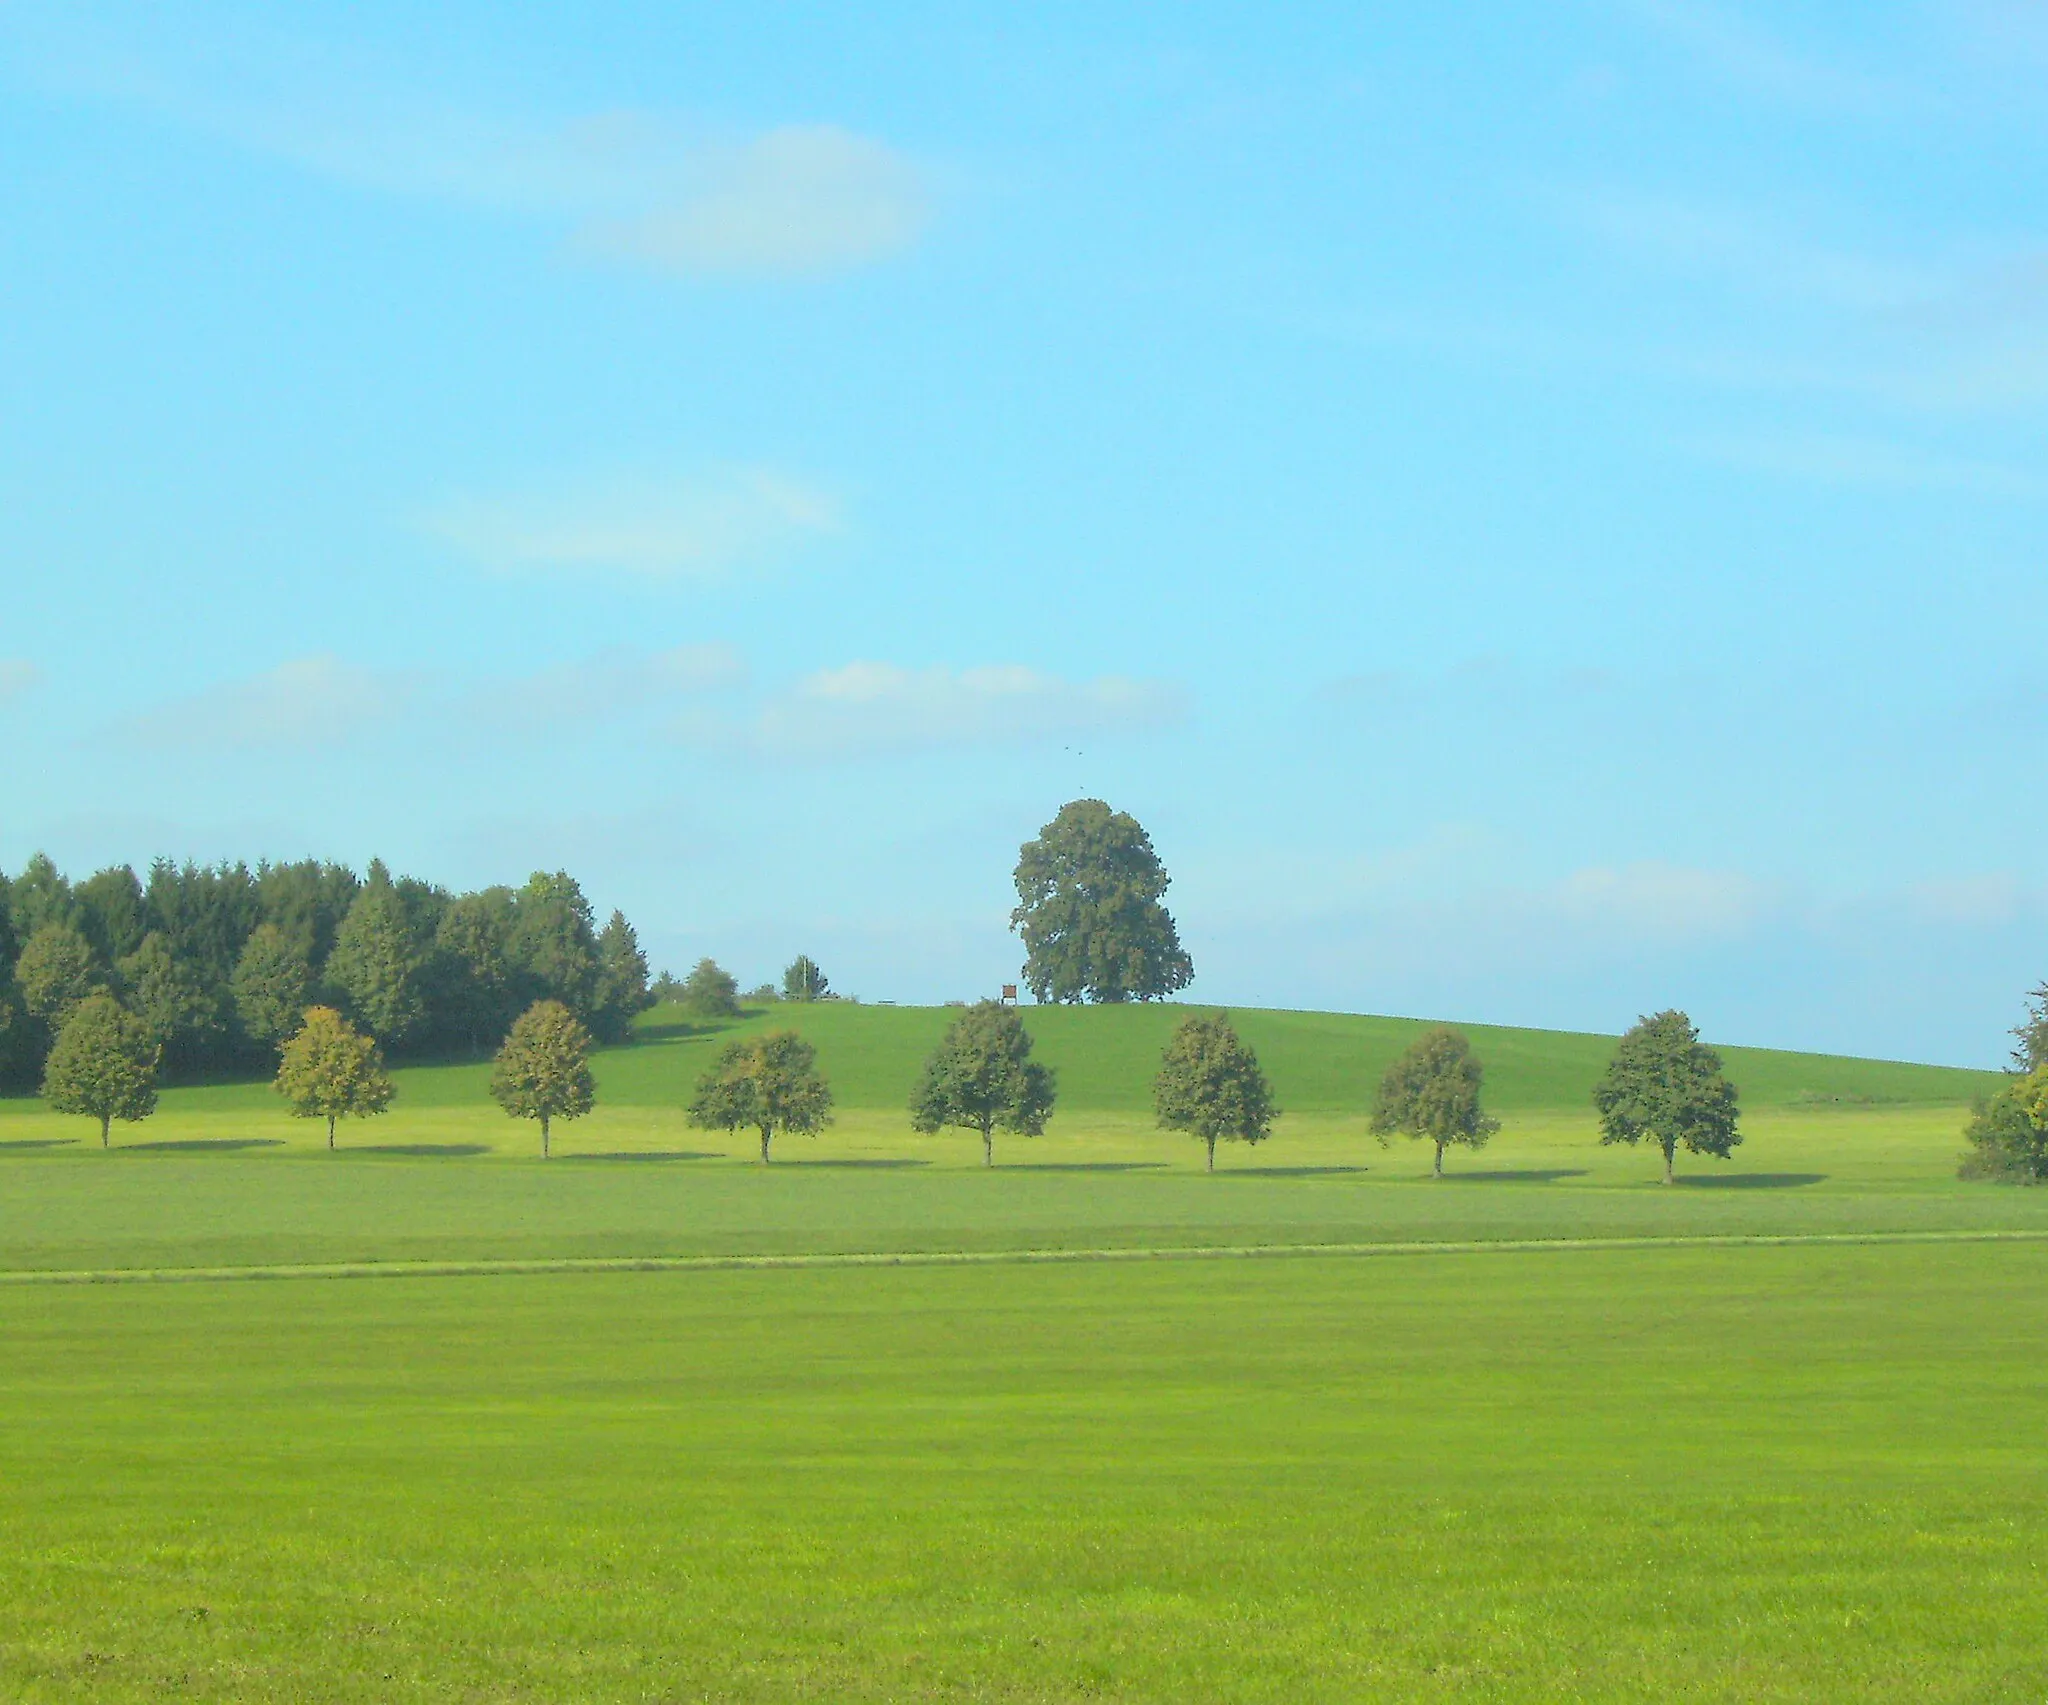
x=1665, y=1084
x=1089, y=912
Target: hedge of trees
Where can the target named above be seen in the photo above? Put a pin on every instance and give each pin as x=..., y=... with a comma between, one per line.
x=217, y=965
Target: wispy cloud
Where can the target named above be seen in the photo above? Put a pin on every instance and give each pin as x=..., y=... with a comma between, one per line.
x=310, y=701
x=1750, y=57
x=1757, y=255
x=17, y=677
x=623, y=185
x=1870, y=463
x=1654, y=902
x=645, y=526
x=865, y=708
x=614, y=684
x=324, y=702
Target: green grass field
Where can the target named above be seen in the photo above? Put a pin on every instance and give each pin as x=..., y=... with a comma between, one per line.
x=1773, y=1434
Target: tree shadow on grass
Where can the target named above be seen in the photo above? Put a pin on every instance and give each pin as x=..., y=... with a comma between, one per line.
x=38, y=1142
x=1751, y=1181
x=651, y=1155
x=424, y=1150
x=1523, y=1175
x=864, y=1165
x=1089, y=1166
x=1290, y=1171
x=201, y=1145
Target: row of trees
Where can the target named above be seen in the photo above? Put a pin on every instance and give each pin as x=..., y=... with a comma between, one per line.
x=218, y=964
x=1662, y=1085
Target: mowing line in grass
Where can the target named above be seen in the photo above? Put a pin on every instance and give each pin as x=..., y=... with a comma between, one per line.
x=982, y=1257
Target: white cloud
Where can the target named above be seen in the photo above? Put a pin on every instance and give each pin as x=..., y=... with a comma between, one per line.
x=310, y=701
x=17, y=677
x=1659, y=903
x=615, y=683
x=646, y=526
x=1869, y=463
x=322, y=701
x=871, y=707
x=623, y=185
x=801, y=199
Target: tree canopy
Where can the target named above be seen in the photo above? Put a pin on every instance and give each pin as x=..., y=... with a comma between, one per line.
x=765, y=1083
x=1210, y=1085
x=2008, y=1135
x=103, y=1065
x=1432, y=1093
x=222, y=960
x=802, y=980
x=1089, y=912
x=1664, y=1085
x=710, y=991
x=330, y=1070
x=543, y=1070
x=982, y=1077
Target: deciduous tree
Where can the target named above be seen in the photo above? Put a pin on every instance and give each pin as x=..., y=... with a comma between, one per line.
x=766, y=1083
x=2008, y=1135
x=102, y=1065
x=543, y=1070
x=982, y=1077
x=1089, y=911
x=802, y=980
x=1210, y=1085
x=1432, y=1092
x=55, y=972
x=271, y=986
x=1665, y=1085
x=709, y=991
x=166, y=995
x=330, y=1070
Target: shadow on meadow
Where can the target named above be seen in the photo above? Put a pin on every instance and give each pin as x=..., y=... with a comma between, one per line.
x=1752, y=1181
x=1227, y=1171
x=1524, y=1175
x=649, y=1155
x=858, y=1165
x=1089, y=1166
x=39, y=1143
x=201, y=1145
x=427, y=1151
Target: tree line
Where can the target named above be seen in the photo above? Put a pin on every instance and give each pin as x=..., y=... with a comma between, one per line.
x=215, y=966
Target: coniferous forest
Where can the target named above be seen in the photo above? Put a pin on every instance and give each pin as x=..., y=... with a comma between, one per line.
x=219, y=962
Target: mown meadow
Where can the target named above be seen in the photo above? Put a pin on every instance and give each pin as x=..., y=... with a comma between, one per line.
x=643, y=1422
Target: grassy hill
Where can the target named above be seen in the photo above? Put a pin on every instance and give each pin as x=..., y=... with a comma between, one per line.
x=1319, y=1062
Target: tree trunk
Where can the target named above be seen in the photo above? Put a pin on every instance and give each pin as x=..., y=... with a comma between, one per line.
x=1212, y=1154
x=106, y=1122
x=1668, y=1148
x=988, y=1145
x=1439, y=1160
x=544, y=1136
x=330, y=1132
x=767, y=1135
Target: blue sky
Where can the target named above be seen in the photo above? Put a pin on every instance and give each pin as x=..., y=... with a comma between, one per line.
x=1540, y=508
